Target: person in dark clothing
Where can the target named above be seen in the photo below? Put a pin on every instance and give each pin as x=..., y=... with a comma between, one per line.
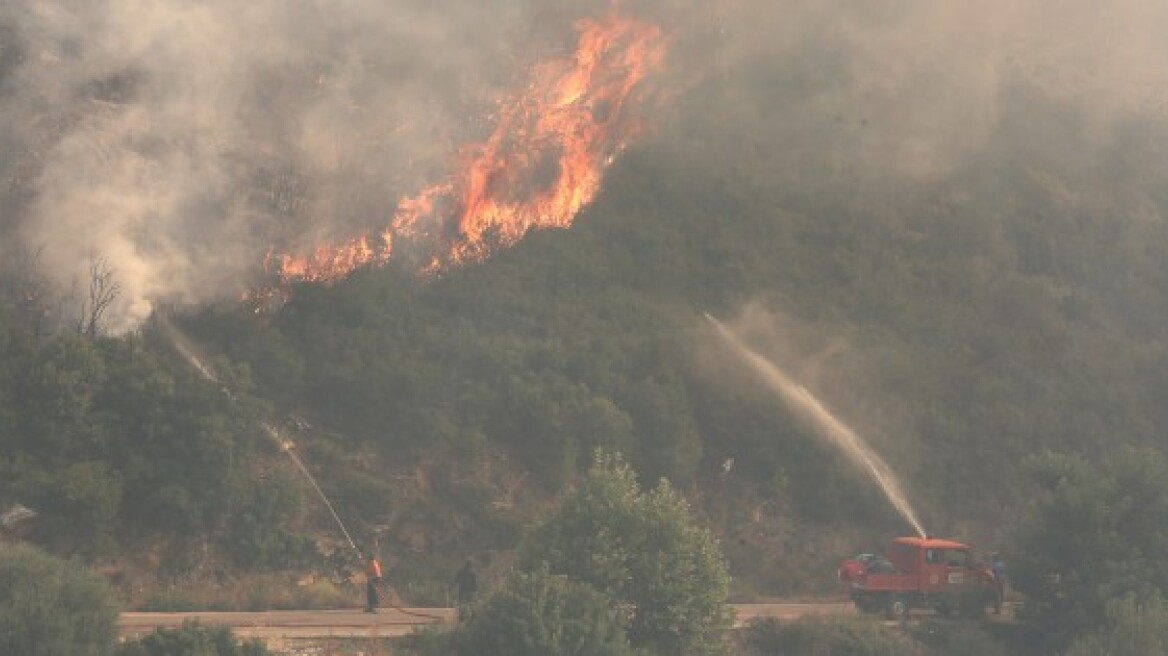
x=372, y=578
x=467, y=583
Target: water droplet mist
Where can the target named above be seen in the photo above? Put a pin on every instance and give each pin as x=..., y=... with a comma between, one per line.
x=849, y=442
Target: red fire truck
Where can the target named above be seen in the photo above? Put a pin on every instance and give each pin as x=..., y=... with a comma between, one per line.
x=919, y=573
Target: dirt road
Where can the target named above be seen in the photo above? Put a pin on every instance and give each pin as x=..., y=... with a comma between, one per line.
x=388, y=622
x=295, y=624
x=282, y=627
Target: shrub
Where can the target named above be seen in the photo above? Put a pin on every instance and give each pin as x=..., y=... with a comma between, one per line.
x=1132, y=629
x=644, y=550
x=538, y=614
x=192, y=639
x=817, y=636
x=49, y=607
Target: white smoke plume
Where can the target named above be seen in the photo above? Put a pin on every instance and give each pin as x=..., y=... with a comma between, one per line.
x=182, y=140
x=179, y=141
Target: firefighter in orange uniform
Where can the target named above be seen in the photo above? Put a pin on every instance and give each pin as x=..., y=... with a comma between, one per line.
x=372, y=578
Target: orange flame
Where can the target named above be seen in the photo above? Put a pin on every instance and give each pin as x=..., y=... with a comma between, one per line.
x=541, y=165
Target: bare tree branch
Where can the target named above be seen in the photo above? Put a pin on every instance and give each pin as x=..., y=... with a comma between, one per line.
x=104, y=289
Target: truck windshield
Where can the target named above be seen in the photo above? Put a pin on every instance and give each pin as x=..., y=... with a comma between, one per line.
x=956, y=558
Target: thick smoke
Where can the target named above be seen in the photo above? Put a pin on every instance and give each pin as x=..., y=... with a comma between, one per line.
x=880, y=91
x=180, y=141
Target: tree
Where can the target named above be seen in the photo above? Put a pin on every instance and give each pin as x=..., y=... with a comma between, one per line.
x=1093, y=533
x=49, y=607
x=643, y=550
x=104, y=290
x=540, y=613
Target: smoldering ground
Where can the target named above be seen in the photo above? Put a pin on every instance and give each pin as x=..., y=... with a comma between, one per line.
x=183, y=141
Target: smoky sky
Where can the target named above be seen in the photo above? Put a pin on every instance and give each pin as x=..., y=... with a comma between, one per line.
x=182, y=141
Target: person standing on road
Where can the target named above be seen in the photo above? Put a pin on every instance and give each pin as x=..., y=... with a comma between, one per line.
x=998, y=569
x=467, y=583
x=372, y=578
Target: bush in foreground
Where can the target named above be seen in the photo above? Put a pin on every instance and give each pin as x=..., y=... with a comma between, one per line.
x=534, y=614
x=822, y=636
x=192, y=639
x=50, y=607
x=644, y=550
x=1133, y=629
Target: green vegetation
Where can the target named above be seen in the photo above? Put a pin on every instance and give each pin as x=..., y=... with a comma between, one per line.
x=52, y=608
x=828, y=637
x=1131, y=629
x=191, y=639
x=1092, y=534
x=111, y=442
x=644, y=551
x=534, y=614
x=614, y=570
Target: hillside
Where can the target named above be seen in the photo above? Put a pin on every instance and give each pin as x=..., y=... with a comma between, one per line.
x=966, y=276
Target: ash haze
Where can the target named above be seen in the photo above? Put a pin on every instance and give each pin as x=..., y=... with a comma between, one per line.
x=183, y=141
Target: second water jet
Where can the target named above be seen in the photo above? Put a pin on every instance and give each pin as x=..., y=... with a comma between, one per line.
x=187, y=351
x=848, y=441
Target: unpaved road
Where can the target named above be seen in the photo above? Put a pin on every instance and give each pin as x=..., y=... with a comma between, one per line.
x=295, y=624
x=279, y=625
x=388, y=622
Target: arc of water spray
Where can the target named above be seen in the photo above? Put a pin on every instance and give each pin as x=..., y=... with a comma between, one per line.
x=182, y=345
x=799, y=400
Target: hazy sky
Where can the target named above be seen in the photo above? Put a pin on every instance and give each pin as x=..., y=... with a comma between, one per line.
x=182, y=140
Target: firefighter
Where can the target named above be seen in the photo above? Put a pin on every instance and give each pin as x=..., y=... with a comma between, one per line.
x=372, y=578
x=466, y=583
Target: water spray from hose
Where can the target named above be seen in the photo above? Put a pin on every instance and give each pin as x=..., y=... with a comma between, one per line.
x=184, y=348
x=799, y=400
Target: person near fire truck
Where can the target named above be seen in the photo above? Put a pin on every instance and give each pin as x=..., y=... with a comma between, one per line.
x=998, y=569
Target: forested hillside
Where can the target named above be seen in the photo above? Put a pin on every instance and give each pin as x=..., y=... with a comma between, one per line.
x=967, y=292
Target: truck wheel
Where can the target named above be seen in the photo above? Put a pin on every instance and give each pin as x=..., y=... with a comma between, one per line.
x=897, y=608
x=944, y=607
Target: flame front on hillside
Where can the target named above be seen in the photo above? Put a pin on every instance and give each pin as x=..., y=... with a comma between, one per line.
x=542, y=163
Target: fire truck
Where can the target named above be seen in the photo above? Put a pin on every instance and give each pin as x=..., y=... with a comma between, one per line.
x=919, y=573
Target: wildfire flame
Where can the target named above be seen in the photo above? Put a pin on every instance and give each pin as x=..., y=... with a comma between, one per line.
x=541, y=165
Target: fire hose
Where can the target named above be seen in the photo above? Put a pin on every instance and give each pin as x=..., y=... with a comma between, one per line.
x=188, y=353
x=385, y=594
